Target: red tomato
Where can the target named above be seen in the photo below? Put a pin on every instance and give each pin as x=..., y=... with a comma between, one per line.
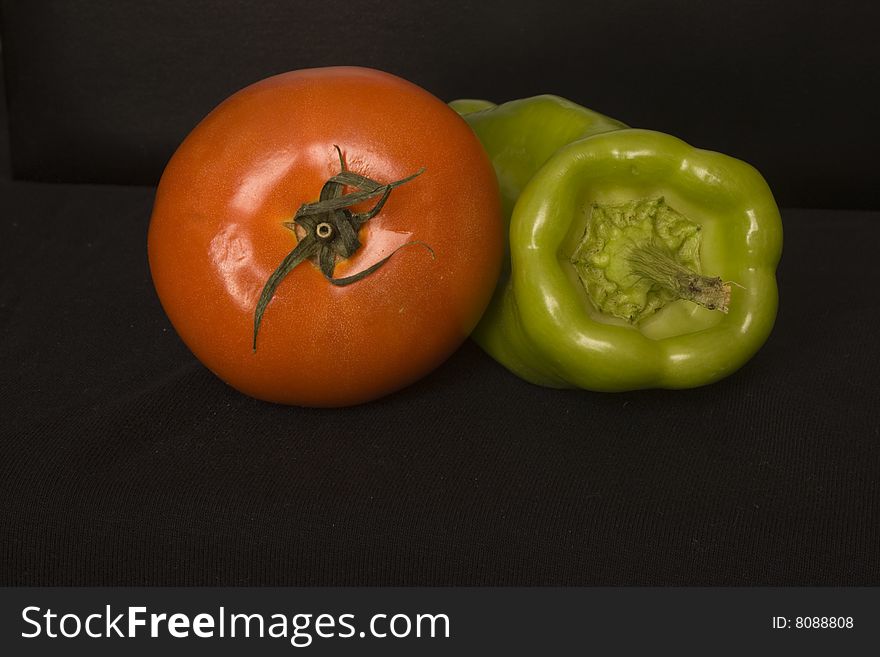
x=218, y=232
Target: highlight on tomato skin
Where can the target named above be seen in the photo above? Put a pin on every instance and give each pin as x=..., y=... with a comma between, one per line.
x=327, y=236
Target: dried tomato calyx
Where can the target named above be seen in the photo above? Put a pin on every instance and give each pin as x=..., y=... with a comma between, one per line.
x=328, y=231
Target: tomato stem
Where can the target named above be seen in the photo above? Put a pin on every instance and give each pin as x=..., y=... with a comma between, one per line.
x=330, y=232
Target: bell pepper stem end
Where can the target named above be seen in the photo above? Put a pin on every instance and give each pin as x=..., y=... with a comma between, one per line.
x=636, y=257
x=651, y=262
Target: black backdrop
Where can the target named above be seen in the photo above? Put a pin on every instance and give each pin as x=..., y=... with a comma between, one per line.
x=104, y=90
x=123, y=461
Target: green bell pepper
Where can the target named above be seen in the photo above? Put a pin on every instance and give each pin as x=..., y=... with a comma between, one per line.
x=521, y=135
x=636, y=260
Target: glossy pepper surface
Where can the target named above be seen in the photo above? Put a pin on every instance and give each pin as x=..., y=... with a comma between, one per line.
x=636, y=260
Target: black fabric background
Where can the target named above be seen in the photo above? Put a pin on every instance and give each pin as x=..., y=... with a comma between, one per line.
x=103, y=91
x=123, y=461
